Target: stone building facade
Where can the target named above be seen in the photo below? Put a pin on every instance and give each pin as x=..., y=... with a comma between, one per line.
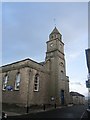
x=88, y=81
x=27, y=82
x=77, y=98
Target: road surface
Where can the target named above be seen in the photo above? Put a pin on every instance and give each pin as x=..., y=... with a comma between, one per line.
x=75, y=111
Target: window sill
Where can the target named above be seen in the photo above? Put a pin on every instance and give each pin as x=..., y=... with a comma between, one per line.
x=3, y=89
x=36, y=90
x=16, y=89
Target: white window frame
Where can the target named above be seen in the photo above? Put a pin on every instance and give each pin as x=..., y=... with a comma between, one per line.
x=17, y=81
x=5, y=82
x=36, y=83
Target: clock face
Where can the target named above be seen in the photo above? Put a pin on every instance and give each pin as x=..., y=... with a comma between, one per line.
x=51, y=44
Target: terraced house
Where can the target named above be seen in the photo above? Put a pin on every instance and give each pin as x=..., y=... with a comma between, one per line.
x=77, y=98
x=27, y=82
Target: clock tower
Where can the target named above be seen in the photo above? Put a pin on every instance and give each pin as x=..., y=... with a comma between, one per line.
x=54, y=44
x=55, y=56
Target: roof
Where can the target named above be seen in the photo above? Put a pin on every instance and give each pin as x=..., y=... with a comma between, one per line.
x=76, y=94
x=55, y=30
x=27, y=59
x=22, y=64
x=42, y=63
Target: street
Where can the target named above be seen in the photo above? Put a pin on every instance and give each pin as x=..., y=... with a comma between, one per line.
x=75, y=111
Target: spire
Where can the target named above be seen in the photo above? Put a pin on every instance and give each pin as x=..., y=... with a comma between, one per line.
x=55, y=30
x=55, y=34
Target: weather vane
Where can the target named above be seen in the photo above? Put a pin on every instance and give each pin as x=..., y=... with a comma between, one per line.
x=54, y=22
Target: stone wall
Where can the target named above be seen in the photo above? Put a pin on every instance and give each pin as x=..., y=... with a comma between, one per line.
x=26, y=95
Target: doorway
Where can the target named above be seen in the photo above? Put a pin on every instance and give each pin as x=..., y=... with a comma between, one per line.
x=62, y=97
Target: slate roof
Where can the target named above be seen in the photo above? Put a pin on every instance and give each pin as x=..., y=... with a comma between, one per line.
x=55, y=30
x=76, y=94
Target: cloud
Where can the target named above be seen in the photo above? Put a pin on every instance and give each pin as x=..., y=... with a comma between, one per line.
x=79, y=87
x=74, y=55
x=75, y=83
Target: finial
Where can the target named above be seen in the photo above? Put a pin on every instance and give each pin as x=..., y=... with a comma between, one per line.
x=54, y=22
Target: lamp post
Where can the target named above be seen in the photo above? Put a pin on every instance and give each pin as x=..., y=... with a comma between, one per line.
x=27, y=108
x=53, y=99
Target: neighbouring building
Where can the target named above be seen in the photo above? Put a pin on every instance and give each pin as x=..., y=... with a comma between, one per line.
x=88, y=81
x=88, y=59
x=28, y=82
x=77, y=98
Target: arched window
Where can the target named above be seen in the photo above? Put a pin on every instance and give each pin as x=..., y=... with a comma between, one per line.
x=62, y=75
x=17, y=81
x=36, y=82
x=5, y=82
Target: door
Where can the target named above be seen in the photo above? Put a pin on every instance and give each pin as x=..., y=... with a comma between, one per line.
x=62, y=97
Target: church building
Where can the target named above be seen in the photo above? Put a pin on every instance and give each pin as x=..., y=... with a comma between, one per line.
x=27, y=82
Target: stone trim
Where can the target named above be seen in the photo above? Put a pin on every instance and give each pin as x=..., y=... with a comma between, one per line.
x=22, y=64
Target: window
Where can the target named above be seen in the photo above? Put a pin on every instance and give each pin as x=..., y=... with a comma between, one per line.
x=56, y=36
x=60, y=45
x=62, y=75
x=17, y=81
x=36, y=83
x=5, y=82
x=61, y=63
x=60, y=37
x=52, y=37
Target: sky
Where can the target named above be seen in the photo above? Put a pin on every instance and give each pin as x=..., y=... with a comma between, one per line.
x=26, y=28
x=44, y=0
x=88, y=25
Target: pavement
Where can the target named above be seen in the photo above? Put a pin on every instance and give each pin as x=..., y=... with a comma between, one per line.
x=10, y=113
x=84, y=115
